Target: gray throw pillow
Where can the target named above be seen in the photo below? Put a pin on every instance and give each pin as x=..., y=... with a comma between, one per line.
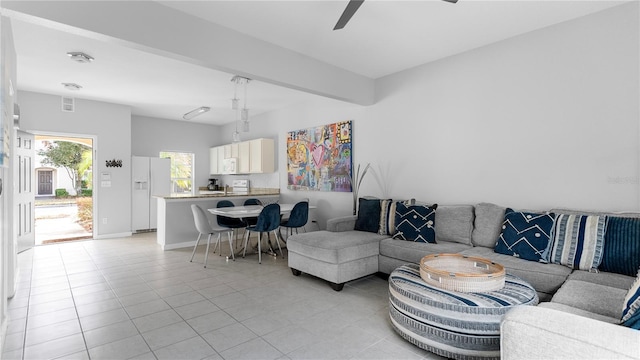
x=487, y=224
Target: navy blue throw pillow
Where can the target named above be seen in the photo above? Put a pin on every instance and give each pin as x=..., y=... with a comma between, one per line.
x=525, y=235
x=621, y=246
x=415, y=223
x=368, y=215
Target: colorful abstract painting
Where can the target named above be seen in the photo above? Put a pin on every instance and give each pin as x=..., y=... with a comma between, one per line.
x=319, y=158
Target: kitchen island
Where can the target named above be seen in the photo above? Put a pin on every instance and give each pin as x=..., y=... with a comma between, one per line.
x=176, y=228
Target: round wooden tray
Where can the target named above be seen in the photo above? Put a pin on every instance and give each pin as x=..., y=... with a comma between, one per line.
x=462, y=273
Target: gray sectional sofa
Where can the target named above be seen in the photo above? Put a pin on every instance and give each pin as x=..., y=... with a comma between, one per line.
x=578, y=313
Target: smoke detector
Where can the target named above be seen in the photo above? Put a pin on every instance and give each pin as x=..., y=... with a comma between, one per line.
x=71, y=86
x=80, y=57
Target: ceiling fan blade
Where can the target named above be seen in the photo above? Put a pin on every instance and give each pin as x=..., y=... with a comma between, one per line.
x=451, y=1
x=351, y=9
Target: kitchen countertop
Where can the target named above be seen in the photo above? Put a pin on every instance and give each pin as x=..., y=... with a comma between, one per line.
x=252, y=192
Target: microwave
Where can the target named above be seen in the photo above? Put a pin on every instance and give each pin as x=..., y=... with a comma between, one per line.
x=230, y=166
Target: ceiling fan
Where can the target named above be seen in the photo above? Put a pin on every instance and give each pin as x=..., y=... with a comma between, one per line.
x=351, y=9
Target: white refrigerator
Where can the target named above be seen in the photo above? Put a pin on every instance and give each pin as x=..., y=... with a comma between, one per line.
x=151, y=177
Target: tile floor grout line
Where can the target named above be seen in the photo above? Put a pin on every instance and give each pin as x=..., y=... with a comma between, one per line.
x=75, y=306
x=26, y=320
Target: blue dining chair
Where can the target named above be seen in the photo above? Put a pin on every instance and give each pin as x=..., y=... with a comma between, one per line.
x=268, y=221
x=297, y=218
x=204, y=227
x=227, y=222
x=251, y=221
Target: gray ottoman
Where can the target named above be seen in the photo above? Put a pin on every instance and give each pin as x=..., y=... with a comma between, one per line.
x=449, y=323
x=337, y=257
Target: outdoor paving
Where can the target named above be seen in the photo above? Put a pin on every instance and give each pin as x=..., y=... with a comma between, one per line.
x=56, y=222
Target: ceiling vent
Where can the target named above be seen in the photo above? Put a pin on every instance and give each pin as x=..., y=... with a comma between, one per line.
x=80, y=57
x=68, y=104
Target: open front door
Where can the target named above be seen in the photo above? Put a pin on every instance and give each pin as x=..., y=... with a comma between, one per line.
x=25, y=193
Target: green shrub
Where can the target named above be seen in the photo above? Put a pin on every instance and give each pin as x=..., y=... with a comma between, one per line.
x=86, y=192
x=62, y=193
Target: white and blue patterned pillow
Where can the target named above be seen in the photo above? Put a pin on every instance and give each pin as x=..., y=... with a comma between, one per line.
x=631, y=311
x=415, y=223
x=577, y=241
x=525, y=235
x=388, y=215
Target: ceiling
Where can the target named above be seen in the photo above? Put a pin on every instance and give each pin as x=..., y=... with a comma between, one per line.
x=382, y=38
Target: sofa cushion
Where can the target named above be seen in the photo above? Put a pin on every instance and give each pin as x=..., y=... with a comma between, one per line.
x=415, y=223
x=580, y=312
x=618, y=281
x=454, y=223
x=621, y=246
x=595, y=298
x=411, y=252
x=368, y=215
x=545, y=278
x=525, y=235
x=335, y=247
x=631, y=310
x=487, y=224
x=578, y=241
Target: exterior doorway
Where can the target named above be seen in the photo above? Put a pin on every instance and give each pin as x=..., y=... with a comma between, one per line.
x=45, y=182
x=64, y=188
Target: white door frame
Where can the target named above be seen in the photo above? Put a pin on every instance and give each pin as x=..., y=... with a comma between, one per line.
x=94, y=141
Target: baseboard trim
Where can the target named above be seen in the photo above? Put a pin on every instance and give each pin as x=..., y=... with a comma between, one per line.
x=114, y=235
x=182, y=245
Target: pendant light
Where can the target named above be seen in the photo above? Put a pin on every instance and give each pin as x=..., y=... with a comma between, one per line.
x=241, y=114
x=245, y=110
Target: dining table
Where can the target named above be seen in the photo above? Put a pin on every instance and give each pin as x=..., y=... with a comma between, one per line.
x=245, y=211
x=248, y=211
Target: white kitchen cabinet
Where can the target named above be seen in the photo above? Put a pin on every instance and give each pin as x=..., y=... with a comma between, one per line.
x=214, y=164
x=261, y=156
x=231, y=151
x=253, y=156
x=243, y=157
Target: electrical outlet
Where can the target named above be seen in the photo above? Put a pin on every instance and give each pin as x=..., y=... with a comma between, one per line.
x=104, y=221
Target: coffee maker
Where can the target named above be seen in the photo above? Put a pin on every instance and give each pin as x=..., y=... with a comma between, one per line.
x=212, y=185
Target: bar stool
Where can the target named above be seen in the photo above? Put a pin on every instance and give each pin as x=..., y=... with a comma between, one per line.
x=204, y=227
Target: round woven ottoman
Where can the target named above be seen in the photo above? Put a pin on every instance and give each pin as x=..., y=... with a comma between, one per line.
x=449, y=323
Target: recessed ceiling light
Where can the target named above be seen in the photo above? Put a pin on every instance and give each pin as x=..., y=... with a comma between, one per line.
x=71, y=86
x=195, y=112
x=80, y=57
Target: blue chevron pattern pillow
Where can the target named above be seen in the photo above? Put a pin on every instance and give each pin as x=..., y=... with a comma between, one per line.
x=415, y=223
x=525, y=235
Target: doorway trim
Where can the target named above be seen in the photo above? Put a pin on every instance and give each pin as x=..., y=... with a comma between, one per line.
x=94, y=174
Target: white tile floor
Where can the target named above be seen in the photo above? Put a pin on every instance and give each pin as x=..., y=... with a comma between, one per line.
x=127, y=299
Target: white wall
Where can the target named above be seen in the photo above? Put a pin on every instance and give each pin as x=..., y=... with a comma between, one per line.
x=111, y=125
x=549, y=118
x=150, y=136
x=546, y=119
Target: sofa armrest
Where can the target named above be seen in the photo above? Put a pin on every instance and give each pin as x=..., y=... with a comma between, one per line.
x=343, y=223
x=529, y=332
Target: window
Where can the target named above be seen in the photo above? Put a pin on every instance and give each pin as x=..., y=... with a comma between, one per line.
x=181, y=171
